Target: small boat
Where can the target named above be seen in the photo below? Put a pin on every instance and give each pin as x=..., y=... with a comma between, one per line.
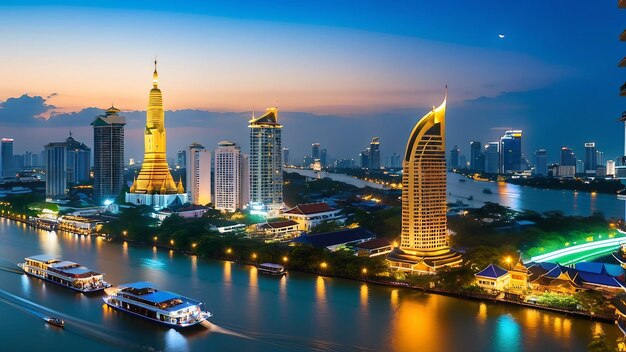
x=487, y=191
x=55, y=321
x=272, y=269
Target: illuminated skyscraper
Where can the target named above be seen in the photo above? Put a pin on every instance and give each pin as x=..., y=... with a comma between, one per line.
x=285, y=156
x=198, y=174
x=590, y=158
x=511, y=152
x=266, y=165
x=108, y=156
x=568, y=158
x=78, y=161
x=315, y=151
x=477, y=159
x=155, y=186
x=56, y=169
x=232, y=182
x=374, y=158
x=424, y=243
x=492, y=158
x=454, y=157
x=6, y=148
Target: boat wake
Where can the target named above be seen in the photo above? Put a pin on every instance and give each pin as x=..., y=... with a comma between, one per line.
x=220, y=330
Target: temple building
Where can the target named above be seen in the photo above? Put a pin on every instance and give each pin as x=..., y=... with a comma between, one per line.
x=424, y=246
x=266, y=164
x=154, y=186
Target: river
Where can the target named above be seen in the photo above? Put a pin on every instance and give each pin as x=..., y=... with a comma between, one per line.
x=252, y=312
x=514, y=196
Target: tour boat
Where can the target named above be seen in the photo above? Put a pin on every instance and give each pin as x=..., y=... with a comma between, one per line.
x=55, y=321
x=143, y=300
x=272, y=269
x=64, y=273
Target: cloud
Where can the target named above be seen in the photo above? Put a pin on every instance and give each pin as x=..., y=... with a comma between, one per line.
x=25, y=110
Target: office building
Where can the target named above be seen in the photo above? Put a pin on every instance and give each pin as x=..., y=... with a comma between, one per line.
x=78, y=161
x=580, y=166
x=395, y=161
x=56, y=169
x=285, y=156
x=108, y=156
x=567, y=157
x=541, y=162
x=610, y=167
x=154, y=186
x=477, y=159
x=364, y=158
x=198, y=174
x=315, y=151
x=6, y=151
x=511, y=152
x=492, y=158
x=181, y=159
x=232, y=181
x=374, y=159
x=324, y=158
x=590, y=158
x=454, y=157
x=266, y=165
x=424, y=243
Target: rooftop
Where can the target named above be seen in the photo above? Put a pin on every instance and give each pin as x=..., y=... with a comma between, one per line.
x=373, y=244
x=42, y=258
x=278, y=224
x=492, y=271
x=310, y=208
x=334, y=238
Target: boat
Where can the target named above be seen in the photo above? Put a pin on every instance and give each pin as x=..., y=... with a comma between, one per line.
x=167, y=308
x=55, y=321
x=487, y=191
x=272, y=269
x=64, y=273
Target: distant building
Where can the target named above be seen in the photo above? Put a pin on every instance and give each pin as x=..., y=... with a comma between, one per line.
x=78, y=161
x=477, y=159
x=567, y=157
x=56, y=169
x=610, y=168
x=395, y=161
x=181, y=159
x=323, y=158
x=580, y=166
x=279, y=230
x=492, y=158
x=312, y=214
x=344, y=164
x=374, y=159
x=199, y=174
x=541, y=162
x=364, y=158
x=565, y=171
x=266, y=165
x=231, y=177
x=454, y=157
x=286, y=156
x=462, y=161
x=108, y=155
x=590, y=158
x=599, y=158
x=6, y=151
x=315, y=151
x=511, y=152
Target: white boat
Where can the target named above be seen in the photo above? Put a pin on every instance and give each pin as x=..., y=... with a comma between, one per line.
x=272, y=269
x=55, y=321
x=143, y=300
x=64, y=273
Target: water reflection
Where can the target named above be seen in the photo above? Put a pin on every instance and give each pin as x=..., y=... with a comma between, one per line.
x=363, y=296
x=412, y=331
x=125, y=249
x=507, y=334
x=227, y=271
x=394, y=298
x=50, y=243
x=174, y=341
x=482, y=313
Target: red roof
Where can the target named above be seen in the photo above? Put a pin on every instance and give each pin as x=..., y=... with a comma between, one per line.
x=374, y=244
x=279, y=224
x=310, y=208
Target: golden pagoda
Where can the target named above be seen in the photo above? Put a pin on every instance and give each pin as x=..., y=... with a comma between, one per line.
x=155, y=179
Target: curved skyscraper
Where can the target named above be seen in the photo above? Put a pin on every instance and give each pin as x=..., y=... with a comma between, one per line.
x=154, y=185
x=424, y=237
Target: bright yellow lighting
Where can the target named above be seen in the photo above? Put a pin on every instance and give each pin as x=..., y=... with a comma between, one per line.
x=155, y=238
x=285, y=259
x=172, y=242
x=229, y=251
x=324, y=265
x=364, y=271
x=253, y=255
x=194, y=245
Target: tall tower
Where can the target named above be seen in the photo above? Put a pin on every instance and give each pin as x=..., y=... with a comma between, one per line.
x=154, y=185
x=199, y=174
x=424, y=238
x=7, y=157
x=511, y=152
x=266, y=165
x=375, y=154
x=108, y=155
x=231, y=182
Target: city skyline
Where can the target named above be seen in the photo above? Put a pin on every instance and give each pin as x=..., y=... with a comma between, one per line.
x=544, y=87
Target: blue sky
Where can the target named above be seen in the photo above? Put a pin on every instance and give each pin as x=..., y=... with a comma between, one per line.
x=370, y=66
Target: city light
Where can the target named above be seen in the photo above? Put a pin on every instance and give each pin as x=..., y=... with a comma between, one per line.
x=229, y=250
x=285, y=259
x=253, y=255
x=194, y=245
x=323, y=265
x=172, y=242
x=155, y=238
x=364, y=271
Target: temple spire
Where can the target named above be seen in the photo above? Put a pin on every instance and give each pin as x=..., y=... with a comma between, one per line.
x=155, y=75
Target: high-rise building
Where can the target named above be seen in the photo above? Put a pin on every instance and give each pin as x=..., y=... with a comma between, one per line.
x=181, y=159
x=231, y=183
x=285, y=156
x=395, y=161
x=374, y=159
x=315, y=151
x=155, y=186
x=108, y=156
x=364, y=158
x=56, y=169
x=580, y=166
x=6, y=151
x=541, y=162
x=454, y=157
x=477, y=159
x=567, y=157
x=323, y=158
x=78, y=161
x=266, y=166
x=610, y=167
x=511, y=152
x=599, y=158
x=462, y=161
x=28, y=159
x=590, y=158
x=424, y=243
x=492, y=158
x=199, y=174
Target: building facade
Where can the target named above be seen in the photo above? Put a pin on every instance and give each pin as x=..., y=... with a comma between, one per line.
x=568, y=158
x=590, y=158
x=6, y=151
x=541, y=162
x=424, y=236
x=477, y=159
x=232, y=182
x=78, y=161
x=492, y=158
x=266, y=165
x=108, y=156
x=511, y=152
x=56, y=169
x=454, y=157
x=198, y=174
x=374, y=157
x=154, y=186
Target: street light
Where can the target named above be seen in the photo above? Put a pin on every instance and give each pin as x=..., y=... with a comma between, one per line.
x=172, y=242
x=155, y=238
x=253, y=256
x=364, y=271
x=229, y=251
x=124, y=232
x=508, y=260
x=324, y=265
x=194, y=245
x=285, y=259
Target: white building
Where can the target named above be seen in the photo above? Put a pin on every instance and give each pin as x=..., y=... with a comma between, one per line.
x=232, y=179
x=312, y=214
x=610, y=167
x=199, y=174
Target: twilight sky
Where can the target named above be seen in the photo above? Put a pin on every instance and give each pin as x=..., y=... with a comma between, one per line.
x=341, y=71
